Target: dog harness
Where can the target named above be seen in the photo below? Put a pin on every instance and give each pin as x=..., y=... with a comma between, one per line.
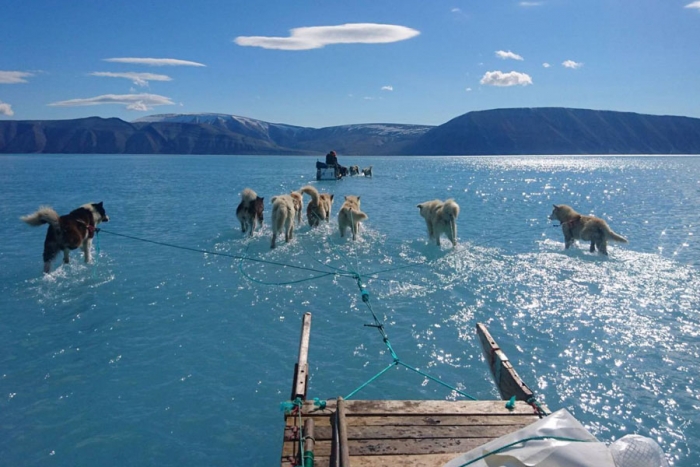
x=91, y=230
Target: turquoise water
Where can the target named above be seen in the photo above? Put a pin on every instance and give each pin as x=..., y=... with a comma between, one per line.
x=155, y=355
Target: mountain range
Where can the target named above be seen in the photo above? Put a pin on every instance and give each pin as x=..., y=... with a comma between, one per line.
x=526, y=131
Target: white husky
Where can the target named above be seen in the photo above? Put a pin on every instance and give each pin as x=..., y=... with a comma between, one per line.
x=283, y=212
x=350, y=216
x=440, y=217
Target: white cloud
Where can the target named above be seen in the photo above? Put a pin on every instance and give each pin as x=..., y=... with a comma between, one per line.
x=131, y=101
x=498, y=78
x=139, y=79
x=6, y=109
x=506, y=55
x=320, y=36
x=154, y=61
x=468, y=89
x=528, y=4
x=14, y=77
x=571, y=64
x=387, y=88
x=695, y=5
x=546, y=65
x=456, y=10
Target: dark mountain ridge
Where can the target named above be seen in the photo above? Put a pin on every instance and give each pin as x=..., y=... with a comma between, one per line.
x=527, y=131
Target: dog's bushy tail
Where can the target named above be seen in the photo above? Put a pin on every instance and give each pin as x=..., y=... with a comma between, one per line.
x=311, y=191
x=615, y=237
x=451, y=209
x=45, y=215
x=248, y=196
x=358, y=215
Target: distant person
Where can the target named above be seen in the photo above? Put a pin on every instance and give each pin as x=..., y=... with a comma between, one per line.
x=332, y=161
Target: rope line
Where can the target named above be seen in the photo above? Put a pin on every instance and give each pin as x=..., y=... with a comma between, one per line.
x=216, y=253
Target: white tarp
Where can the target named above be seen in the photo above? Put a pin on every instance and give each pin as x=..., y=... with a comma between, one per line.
x=551, y=451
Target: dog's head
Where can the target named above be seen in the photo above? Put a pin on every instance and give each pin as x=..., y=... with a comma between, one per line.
x=98, y=212
x=561, y=213
x=259, y=207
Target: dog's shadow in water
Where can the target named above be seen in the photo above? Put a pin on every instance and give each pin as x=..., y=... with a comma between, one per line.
x=430, y=252
x=585, y=255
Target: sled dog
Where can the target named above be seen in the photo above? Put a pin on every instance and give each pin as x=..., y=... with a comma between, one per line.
x=440, y=218
x=319, y=208
x=250, y=211
x=354, y=170
x=350, y=216
x=68, y=232
x=576, y=226
x=283, y=212
x=298, y=199
x=367, y=171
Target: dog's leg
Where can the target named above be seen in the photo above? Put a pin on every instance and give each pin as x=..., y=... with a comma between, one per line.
x=274, y=237
x=430, y=228
x=86, y=250
x=602, y=246
x=50, y=252
x=592, y=249
x=66, y=258
x=568, y=241
x=253, y=224
x=354, y=231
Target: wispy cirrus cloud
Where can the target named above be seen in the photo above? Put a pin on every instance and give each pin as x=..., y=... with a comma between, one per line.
x=571, y=64
x=387, y=88
x=530, y=4
x=320, y=36
x=139, y=79
x=140, y=102
x=695, y=5
x=14, y=77
x=153, y=61
x=6, y=109
x=506, y=55
x=501, y=79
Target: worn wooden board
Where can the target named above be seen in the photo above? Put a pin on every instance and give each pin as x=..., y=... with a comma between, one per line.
x=419, y=407
x=396, y=446
x=429, y=420
x=412, y=432
x=504, y=375
x=425, y=460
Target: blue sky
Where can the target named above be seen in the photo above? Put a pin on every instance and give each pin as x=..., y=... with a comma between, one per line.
x=331, y=63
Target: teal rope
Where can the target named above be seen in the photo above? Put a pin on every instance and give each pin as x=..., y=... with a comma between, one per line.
x=371, y=379
x=437, y=381
x=396, y=360
x=535, y=403
x=215, y=253
x=534, y=438
x=257, y=281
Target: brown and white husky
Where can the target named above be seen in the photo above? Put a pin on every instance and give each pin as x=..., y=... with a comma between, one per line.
x=250, y=211
x=576, y=226
x=319, y=208
x=68, y=232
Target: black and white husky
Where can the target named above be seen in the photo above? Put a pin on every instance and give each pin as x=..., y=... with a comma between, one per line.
x=69, y=231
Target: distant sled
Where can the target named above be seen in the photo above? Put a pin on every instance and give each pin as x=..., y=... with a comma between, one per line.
x=324, y=172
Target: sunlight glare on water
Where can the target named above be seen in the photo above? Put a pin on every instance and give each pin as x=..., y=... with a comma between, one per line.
x=155, y=355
